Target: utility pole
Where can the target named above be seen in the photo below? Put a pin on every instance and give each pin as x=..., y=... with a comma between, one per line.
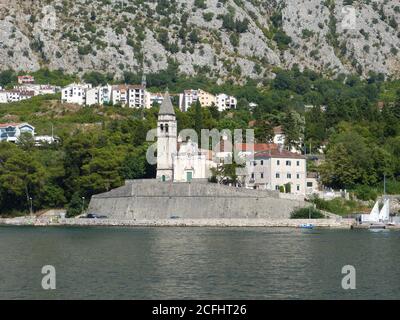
x=83, y=204
x=384, y=186
x=30, y=206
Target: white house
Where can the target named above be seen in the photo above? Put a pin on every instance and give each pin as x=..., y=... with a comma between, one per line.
x=98, y=95
x=16, y=95
x=134, y=96
x=277, y=168
x=75, y=93
x=38, y=89
x=10, y=132
x=3, y=97
x=43, y=140
x=225, y=102
x=152, y=98
x=221, y=101
x=279, y=135
x=26, y=79
x=187, y=98
x=137, y=96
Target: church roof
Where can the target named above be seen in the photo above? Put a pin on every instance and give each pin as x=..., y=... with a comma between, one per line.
x=166, y=106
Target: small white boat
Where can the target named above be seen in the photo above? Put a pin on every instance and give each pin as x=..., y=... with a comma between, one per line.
x=306, y=226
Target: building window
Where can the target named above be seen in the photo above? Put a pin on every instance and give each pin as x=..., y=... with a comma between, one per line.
x=277, y=175
x=262, y=162
x=288, y=163
x=262, y=175
x=289, y=176
x=162, y=127
x=252, y=175
x=298, y=187
x=166, y=128
x=277, y=188
x=298, y=176
x=298, y=163
x=309, y=184
x=278, y=162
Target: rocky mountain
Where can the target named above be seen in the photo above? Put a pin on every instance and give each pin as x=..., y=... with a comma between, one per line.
x=225, y=39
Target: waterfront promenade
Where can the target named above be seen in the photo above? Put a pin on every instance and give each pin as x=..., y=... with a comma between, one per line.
x=287, y=223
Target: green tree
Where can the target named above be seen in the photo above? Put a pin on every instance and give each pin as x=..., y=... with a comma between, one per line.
x=293, y=126
x=264, y=132
x=75, y=206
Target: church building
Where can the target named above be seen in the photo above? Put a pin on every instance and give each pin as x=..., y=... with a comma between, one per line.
x=177, y=160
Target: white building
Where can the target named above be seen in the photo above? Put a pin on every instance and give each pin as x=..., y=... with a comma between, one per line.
x=15, y=95
x=75, y=93
x=221, y=101
x=152, y=98
x=225, y=102
x=277, y=169
x=187, y=99
x=38, y=89
x=279, y=135
x=26, y=79
x=192, y=163
x=137, y=96
x=10, y=132
x=44, y=140
x=133, y=96
x=3, y=97
x=98, y=95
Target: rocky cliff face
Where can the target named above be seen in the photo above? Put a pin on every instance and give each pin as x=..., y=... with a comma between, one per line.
x=223, y=39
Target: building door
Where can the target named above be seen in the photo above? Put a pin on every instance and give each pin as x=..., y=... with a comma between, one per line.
x=189, y=176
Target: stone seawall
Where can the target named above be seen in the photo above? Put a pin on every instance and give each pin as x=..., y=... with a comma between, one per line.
x=284, y=223
x=153, y=200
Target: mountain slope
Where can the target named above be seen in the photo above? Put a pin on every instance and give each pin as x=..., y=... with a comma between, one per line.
x=226, y=39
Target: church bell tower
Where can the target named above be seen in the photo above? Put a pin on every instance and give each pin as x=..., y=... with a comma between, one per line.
x=166, y=140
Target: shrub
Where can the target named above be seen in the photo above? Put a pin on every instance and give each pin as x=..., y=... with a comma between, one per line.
x=306, y=213
x=208, y=16
x=365, y=193
x=338, y=206
x=75, y=206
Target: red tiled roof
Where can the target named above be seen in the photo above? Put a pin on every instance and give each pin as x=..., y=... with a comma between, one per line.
x=257, y=147
x=10, y=124
x=14, y=124
x=276, y=153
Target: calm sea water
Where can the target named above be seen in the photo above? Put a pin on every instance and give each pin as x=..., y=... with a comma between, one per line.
x=197, y=263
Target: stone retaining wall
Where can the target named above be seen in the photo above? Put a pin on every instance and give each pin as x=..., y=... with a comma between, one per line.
x=153, y=200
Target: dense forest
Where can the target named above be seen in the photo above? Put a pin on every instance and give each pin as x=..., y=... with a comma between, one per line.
x=356, y=122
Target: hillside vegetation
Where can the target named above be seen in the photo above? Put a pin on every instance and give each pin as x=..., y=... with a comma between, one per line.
x=222, y=39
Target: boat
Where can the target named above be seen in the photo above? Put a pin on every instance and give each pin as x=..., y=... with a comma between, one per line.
x=384, y=214
x=373, y=216
x=377, y=227
x=306, y=226
x=378, y=219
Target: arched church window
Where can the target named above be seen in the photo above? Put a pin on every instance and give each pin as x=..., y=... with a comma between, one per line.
x=162, y=127
x=166, y=128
